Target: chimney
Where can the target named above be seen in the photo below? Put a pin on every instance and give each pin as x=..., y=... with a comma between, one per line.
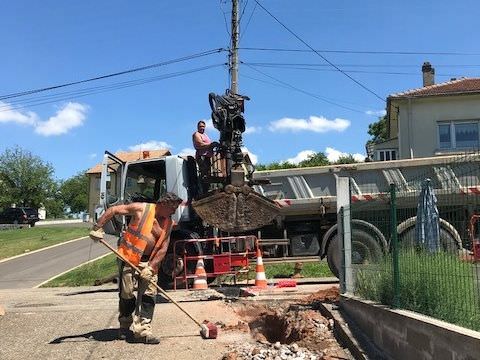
x=428, y=74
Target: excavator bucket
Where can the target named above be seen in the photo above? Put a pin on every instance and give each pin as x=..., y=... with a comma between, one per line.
x=236, y=209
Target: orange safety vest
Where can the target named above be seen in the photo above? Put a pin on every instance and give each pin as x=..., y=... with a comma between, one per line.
x=135, y=238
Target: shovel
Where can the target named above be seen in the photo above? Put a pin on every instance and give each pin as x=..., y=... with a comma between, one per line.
x=208, y=330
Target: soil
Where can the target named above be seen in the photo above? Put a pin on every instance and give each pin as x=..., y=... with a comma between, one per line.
x=287, y=330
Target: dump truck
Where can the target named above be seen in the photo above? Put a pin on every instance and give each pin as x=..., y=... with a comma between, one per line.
x=292, y=212
x=306, y=222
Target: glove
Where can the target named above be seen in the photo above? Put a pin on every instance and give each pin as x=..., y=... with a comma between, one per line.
x=96, y=235
x=147, y=273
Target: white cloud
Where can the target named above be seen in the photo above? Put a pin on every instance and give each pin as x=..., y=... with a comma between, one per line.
x=8, y=114
x=150, y=145
x=70, y=116
x=302, y=155
x=208, y=124
x=253, y=157
x=376, y=112
x=318, y=124
x=333, y=155
x=187, y=152
x=252, y=129
x=92, y=156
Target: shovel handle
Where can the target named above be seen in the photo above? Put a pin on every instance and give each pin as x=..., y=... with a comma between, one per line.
x=164, y=293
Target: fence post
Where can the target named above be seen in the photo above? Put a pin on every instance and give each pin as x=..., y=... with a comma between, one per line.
x=343, y=223
x=396, y=271
x=343, y=288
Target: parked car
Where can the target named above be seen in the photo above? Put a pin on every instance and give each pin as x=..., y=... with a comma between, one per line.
x=19, y=215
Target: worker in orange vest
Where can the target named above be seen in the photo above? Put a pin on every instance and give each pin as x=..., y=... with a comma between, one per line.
x=144, y=243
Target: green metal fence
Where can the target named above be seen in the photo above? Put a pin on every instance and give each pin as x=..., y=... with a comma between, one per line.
x=403, y=255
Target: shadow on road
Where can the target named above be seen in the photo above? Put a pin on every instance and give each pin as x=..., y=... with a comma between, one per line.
x=88, y=292
x=98, y=335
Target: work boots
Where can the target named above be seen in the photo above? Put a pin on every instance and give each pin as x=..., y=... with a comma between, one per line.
x=125, y=322
x=142, y=331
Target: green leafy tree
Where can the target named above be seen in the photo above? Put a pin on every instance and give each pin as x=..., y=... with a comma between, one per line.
x=54, y=205
x=276, y=166
x=378, y=130
x=317, y=159
x=346, y=159
x=26, y=180
x=74, y=192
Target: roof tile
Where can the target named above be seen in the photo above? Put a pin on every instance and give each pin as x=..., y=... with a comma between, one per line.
x=458, y=86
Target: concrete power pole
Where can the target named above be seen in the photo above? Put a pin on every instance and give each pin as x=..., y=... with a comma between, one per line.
x=234, y=49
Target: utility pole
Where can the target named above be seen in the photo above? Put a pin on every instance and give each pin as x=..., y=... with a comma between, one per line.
x=234, y=49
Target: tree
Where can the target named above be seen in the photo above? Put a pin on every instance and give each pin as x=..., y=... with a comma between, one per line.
x=275, y=166
x=378, y=130
x=25, y=179
x=346, y=159
x=74, y=192
x=317, y=159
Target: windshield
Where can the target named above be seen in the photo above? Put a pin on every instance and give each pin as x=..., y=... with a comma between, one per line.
x=145, y=182
x=30, y=211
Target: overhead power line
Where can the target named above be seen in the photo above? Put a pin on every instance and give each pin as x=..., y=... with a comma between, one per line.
x=360, y=65
x=311, y=68
x=129, y=71
x=287, y=85
x=68, y=95
x=360, y=51
x=320, y=55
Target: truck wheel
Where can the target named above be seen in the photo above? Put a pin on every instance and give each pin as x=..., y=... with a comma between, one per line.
x=365, y=250
x=450, y=239
x=173, y=265
x=447, y=241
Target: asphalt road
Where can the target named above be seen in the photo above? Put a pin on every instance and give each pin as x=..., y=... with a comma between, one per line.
x=31, y=270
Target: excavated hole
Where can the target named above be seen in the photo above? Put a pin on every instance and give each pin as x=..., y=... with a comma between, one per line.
x=274, y=327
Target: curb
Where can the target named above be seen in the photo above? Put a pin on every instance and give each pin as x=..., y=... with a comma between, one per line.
x=73, y=268
x=342, y=331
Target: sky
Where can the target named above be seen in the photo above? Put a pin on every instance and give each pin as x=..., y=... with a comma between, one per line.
x=302, y=101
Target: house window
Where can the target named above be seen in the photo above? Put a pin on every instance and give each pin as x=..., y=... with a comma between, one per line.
x=386, y=155
x=458, y=135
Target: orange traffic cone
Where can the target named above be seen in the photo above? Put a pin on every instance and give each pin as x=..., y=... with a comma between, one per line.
x=200, y=281
x=260, y=278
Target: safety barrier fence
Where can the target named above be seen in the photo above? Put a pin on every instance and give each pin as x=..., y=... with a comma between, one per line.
x=414, y=242
x=220, y=255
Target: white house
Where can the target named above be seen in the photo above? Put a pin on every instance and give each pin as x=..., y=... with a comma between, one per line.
x=436, y=119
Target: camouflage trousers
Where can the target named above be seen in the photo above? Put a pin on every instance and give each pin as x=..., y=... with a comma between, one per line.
x=136, y=311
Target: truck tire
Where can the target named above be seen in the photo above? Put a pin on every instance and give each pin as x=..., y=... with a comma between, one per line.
x=365, y=250
x=450, y=239
x=174, y=266
x=447, y=241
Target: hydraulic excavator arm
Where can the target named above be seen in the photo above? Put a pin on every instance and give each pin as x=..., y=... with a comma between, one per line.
x=235, y=206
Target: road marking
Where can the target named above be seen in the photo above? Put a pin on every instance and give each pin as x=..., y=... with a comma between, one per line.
x=75, y=267
x=42, y=249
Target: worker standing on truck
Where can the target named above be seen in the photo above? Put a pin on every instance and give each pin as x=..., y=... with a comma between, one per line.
x=144, y=243
x=204, y=149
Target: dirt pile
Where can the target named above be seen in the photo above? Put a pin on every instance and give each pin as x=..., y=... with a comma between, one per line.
x=287, y=331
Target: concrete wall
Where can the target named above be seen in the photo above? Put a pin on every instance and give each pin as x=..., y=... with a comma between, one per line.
x=403, y=334
x=418, y=133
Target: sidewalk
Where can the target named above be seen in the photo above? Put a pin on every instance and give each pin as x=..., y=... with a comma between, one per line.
x=59, y=222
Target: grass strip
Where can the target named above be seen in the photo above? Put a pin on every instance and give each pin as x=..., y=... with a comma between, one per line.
x=87, y=274
x=19, y=241
x=439, y=285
